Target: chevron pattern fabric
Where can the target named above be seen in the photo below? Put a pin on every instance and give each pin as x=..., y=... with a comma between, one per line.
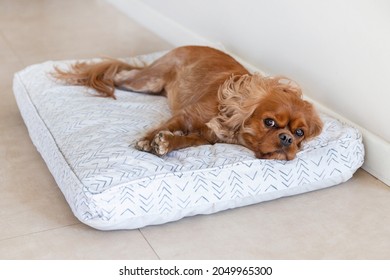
x=88, y=145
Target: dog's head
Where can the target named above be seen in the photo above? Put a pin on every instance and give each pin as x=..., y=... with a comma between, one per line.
x=279, y=125
x=266, y=115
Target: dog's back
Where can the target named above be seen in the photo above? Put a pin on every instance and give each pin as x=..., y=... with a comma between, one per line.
x=185, y=75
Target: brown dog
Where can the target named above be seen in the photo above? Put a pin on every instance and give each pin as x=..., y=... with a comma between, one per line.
x=213, y=99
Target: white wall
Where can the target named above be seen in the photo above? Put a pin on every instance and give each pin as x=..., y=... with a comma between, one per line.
x=337, y=50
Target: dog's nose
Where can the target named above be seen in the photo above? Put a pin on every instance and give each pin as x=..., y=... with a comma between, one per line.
x=285, y=139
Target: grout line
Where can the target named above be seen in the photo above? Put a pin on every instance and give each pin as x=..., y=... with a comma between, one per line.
x=38, y=232
x=150, y=245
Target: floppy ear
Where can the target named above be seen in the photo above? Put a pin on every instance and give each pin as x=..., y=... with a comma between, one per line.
x=316, y=126
x=314, y=121
x=238, y=97
x=287, y=85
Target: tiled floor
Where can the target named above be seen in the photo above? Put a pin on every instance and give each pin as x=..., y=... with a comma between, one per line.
x=350, y=221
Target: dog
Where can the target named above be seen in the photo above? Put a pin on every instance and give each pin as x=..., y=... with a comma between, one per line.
x=213, y=99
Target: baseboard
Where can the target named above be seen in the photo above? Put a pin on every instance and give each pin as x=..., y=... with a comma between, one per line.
x=377, y=159
x=377, y=150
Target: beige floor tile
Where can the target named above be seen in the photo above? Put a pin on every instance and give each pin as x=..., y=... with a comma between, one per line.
x=9, y=111
x=64, y=31
x=349, y=221
x=30, y=199
x=7, y=55
x=77, y=242
x=9, y=64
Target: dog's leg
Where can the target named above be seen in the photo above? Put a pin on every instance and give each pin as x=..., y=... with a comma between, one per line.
x=151, y=79
x=177, y=133
x=166, y=141
x=140, y=80
x=175, y=124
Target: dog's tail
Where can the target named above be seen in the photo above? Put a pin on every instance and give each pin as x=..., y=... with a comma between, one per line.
x=99, y=76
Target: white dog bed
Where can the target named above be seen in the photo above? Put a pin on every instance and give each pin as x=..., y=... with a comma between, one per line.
x=88, y=144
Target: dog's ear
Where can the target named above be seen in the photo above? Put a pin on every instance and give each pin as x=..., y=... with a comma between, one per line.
x=313, y=119
x=291, y=87
x=238, y=97
x=316, y=125
x=287, y=85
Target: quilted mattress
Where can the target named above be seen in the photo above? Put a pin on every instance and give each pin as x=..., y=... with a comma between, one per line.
x=88, y=145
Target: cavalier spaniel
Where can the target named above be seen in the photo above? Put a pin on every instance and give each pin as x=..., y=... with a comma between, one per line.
x=213, y=99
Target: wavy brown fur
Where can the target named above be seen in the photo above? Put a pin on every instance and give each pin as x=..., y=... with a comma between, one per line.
x=99, y=76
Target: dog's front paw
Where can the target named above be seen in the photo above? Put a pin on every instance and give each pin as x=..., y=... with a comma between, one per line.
x=143, y=145
x=161, y=141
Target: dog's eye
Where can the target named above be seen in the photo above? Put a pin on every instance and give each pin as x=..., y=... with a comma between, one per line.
x=269, y=123
x=299, y=132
